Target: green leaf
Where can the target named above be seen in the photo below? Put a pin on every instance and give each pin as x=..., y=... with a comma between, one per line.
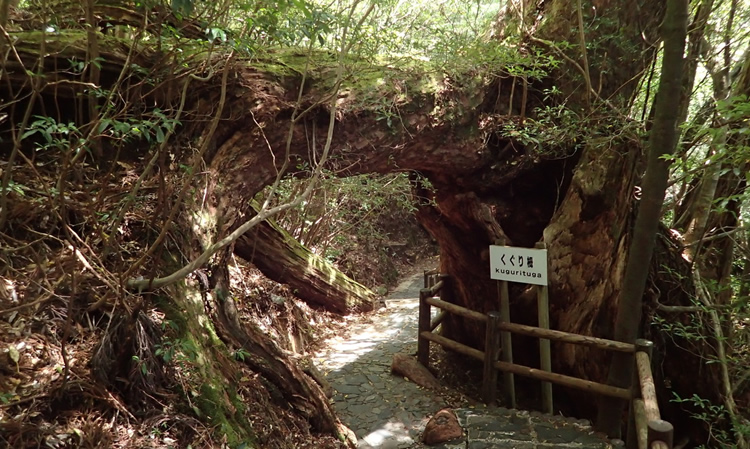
x=183, y=7
x=14, y=354
x=104, y=124
x=28, y=133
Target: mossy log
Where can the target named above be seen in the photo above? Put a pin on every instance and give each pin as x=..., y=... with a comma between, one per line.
x=314, y=280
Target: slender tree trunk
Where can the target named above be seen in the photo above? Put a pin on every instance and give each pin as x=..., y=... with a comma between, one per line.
x=695, y=45
x=662, y=142
x=701, y=207
x=745, y=276
x=4, y=10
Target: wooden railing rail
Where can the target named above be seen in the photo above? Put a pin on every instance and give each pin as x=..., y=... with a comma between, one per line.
x=533, y=373
x=488, y=384
x=438, y=320
x=646, y=428
x=435, y=288
x=433, y=283
x=532, y=331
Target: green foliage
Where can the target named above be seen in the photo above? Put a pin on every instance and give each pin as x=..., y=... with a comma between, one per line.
x=183, y=8
x=240, y=354
x=543, y=134
x=5, y=398
x=713, y=417
x=436, y=31
x=179, y=350
x=692, y=333
x=56, y=135
x=345, y=204
x=150, y=127
x=346, y=217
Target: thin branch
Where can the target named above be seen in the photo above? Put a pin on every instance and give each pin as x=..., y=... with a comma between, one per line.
x=726, y=383
x=194, y=169
x=680, y=309
x=146, y=171
x=578, y=67
x=140, y=284
x=584, y=54
x=18, y=136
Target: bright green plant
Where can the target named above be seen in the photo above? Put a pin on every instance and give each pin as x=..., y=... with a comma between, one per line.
x=240, y=354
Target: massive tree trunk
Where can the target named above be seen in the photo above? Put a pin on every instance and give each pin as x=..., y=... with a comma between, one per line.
x=579, y=205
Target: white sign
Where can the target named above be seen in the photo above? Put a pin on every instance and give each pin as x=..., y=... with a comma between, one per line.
x=526, y=265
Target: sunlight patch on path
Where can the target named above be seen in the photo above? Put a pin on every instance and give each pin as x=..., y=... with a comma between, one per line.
x=385, y=411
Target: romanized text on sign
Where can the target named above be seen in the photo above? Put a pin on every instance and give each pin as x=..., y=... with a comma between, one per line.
x=526, y=265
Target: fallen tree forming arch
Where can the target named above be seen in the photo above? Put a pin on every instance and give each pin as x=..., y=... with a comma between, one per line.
x=573, y=191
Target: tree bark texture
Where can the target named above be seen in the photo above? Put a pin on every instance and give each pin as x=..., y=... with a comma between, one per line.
x=314, y=280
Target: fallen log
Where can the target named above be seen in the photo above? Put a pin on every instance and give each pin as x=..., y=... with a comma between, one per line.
x=408, y=366
x=314, y=280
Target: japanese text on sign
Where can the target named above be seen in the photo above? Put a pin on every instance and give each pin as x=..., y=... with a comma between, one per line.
x=524, y=265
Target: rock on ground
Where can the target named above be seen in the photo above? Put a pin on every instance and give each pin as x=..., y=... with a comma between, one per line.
x=442, y=428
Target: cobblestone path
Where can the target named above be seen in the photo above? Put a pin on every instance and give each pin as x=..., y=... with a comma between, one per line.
x=385, y=411
x=501, y=428
x=389, y=412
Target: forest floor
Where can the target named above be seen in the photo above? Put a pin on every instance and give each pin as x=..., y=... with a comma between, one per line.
x=56, y=392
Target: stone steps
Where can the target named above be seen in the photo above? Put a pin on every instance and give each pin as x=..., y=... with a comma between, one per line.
x=502, y=428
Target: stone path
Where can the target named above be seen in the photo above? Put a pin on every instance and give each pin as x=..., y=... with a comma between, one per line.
x=389, y=412
x=384, y=411
x=501, y=428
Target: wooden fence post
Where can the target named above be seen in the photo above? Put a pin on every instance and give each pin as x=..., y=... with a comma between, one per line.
x=507, y=344
x=545, y=353
x=491, y=352
x=649, y=395
x=505, y=338
x=631, y=439
x=446, y=280
x=661, y=431
x=637, y=414
x=423, y=345
x=647, y=346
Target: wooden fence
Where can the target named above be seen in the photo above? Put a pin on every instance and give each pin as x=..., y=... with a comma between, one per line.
x=646, y=429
